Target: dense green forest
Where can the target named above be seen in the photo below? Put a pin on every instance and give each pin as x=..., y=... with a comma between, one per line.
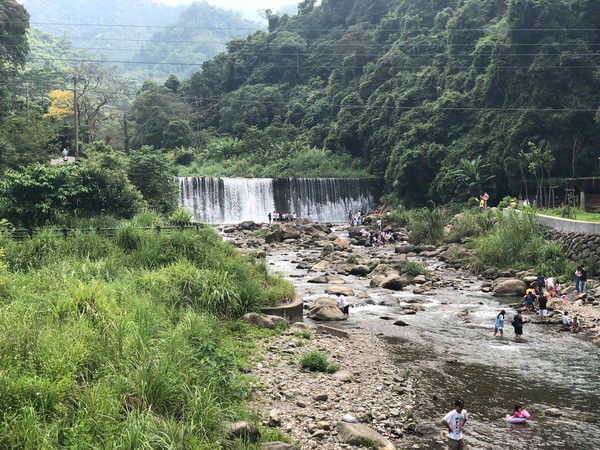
x=413, y=87
x=441, y=98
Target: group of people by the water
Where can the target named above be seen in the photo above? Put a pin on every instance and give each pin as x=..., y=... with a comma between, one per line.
x=376, y=238
x=536, y=299
x=282, y=217
x=363, y=217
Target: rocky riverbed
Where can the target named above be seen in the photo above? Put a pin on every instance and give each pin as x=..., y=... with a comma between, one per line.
x=309, y=406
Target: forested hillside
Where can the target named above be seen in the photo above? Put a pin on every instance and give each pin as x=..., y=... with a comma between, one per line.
x=412, y=87
x=145, y=39
x=199, y=33
x=102, y=26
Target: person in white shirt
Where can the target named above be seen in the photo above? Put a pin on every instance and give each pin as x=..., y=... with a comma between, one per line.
x=344, y=305
x=455, y=420
x=566, y=321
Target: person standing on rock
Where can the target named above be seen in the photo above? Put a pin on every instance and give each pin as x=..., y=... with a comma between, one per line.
x=344, y=305
x=455, y=420
x=543, y=306
x=582, y=279
x=499, y=323
x=517, y=324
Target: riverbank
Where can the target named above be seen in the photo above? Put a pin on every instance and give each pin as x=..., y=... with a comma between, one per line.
x=447, y=344
x=309, y=406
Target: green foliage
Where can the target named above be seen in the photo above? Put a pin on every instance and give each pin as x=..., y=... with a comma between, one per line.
x=316, y=361
x=262, y=155
x=117, y=345
x=414, y=268
x=518, y=242
x=427, y=225
x=153, y=174
x=471, y=224
x=37, y=195
x=506, y=202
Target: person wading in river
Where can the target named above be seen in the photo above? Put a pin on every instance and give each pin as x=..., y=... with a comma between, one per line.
x=517, y=324
x=455, y=420
x=499, y=327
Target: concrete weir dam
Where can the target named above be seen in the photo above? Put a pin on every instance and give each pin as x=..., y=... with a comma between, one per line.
x=234, y=200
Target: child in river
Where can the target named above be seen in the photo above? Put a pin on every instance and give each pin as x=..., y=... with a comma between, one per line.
x=499, y=326
x=520, y=412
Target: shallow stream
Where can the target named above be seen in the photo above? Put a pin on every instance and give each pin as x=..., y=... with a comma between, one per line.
x=449, y=347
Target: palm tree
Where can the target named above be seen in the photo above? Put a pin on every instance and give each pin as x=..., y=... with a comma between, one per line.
x=470, y=176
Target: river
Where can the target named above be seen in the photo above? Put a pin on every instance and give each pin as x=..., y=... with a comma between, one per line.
x=450, y=348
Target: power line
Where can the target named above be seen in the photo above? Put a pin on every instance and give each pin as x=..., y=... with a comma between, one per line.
x=430, y=107
x=284, y=28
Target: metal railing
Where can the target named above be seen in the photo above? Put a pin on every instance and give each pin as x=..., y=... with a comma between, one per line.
x=30, y=233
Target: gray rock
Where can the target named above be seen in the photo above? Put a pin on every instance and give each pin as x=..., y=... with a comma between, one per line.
x=553, y=412
x=511, y=287
x=242, y=430
x=326, y=309
x=361, y=434
x=401, y=323
x=344, y=376
x=262, y=321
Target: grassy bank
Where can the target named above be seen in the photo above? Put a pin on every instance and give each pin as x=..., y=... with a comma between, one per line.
x=505, y=241
x=572, y=213
x=125, y=343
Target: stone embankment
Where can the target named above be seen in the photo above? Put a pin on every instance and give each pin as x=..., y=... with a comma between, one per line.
x=581, y=248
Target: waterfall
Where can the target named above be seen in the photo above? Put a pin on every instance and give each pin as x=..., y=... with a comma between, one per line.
x=234, y=200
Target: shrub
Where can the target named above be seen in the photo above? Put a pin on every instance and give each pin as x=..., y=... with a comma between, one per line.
x=427, y=226
x=506, y=201
x=316, y=361
x=413, y=268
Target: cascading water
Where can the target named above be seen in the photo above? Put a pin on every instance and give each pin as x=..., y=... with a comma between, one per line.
x=233, y=200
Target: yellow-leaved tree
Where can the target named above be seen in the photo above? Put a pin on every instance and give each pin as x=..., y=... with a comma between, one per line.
x=62, y=104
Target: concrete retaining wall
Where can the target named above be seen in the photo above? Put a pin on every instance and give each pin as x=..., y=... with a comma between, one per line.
x=292, y=312
x=569, y=225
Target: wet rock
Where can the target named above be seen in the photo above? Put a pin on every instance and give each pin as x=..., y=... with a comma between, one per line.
x=553, y=412
x=427, y=429
x=319, y=280
x=339, y=289
x=248, y=225
x=396, y=282
x=321, y=266
x=360, y=270
x=401, y=323
x=361, y=434
x=405, y=249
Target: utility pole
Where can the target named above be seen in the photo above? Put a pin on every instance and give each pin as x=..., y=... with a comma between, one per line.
x=76, y=115
x=27, y=100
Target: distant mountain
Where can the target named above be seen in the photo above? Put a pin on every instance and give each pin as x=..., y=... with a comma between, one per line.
x=116, y=28
x=149, y=40
x=200, y=32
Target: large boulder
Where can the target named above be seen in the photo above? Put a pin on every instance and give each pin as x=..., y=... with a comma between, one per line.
x=248, y=225
x=510, y=287
x=360, y=434
x=320, y=266
x=326, y=309
x=396, y=282
x=406, y=248
x=263, y=321
x=337, y=289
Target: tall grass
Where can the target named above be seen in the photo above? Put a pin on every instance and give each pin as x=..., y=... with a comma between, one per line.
x=427, y=225
x=124, y=342
x=518, y=242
